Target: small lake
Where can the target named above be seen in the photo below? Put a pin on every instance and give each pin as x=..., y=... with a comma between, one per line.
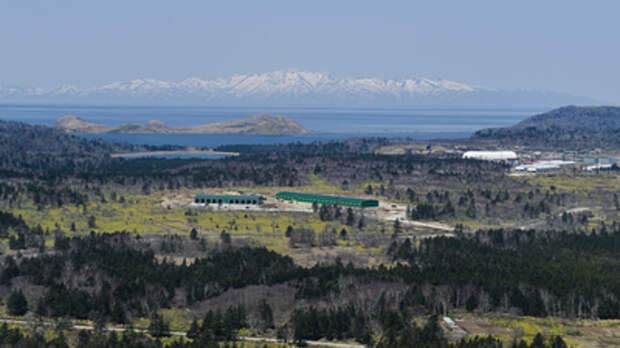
x=177, y=156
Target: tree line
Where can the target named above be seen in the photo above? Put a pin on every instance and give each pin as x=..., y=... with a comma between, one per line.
x=532, y=273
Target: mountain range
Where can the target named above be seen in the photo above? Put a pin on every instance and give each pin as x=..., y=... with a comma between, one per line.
x=294, y=88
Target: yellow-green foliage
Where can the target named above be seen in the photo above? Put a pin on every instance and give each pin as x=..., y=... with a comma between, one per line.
x=557, y=330
x=178, y=318
x=530, y=328
x=317, y=185
x=167, y=341
x=475, y=224
x=145, y=214
x=375, y=186
x=528, y=325
x=260, y=345
x=576, y=333
x=140, y=213
x=575, y=184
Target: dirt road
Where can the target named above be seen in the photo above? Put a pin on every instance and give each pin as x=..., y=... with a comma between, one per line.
x=176, y=333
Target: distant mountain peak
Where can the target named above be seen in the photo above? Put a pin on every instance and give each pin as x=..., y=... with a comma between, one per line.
x=292, y=87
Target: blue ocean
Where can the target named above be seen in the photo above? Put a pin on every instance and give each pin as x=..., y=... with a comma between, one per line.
x=327, y=123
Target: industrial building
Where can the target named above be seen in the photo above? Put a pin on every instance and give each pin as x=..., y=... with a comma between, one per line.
x=542, y=166
x=600, y=160
x=600, y=166
x=323, y=199
x=491, y=155
x=228, y=199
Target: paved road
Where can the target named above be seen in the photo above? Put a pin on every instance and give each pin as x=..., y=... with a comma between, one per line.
x=181, y=333
x=432, y=225
x=311, y=343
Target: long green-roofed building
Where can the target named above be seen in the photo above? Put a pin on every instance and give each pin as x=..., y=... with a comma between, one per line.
x=228, y=199
x=324, y=199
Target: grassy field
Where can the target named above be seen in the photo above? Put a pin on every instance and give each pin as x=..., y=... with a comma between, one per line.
x=145, y=215
x=317, y=185
x=579, y=185
x=575, y=332
x=148, y=215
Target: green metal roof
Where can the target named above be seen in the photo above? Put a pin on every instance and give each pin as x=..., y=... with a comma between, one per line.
x=312, y=195
x=325, y=199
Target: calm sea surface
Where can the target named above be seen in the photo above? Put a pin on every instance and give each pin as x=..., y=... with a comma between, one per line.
x=328, y=123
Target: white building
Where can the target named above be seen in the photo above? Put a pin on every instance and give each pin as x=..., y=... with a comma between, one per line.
x=600, y=166
x=491, y=155
x=542, y=166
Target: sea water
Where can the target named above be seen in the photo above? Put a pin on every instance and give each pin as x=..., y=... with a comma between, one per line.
x=326, y=123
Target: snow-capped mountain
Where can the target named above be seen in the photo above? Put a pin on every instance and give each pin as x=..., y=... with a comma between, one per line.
x=290, y=87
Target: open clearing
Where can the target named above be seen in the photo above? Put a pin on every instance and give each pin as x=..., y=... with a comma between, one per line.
x=576, y=332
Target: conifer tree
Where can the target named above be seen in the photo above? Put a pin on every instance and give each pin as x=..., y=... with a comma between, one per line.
x=17, y=303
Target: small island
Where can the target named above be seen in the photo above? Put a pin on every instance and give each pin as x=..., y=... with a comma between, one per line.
x=263, y=124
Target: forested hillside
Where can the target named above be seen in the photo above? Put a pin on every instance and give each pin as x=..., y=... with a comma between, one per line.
x=570, y=127
x=117, y=276
x=595, y=118
x=35, y=148
x=28, y=148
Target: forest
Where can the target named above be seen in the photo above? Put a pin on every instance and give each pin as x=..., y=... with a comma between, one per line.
x=414, y=336
x=113, y=277
x=570, y=127
x=567, y=267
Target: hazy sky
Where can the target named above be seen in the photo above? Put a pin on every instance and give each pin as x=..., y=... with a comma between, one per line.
x=567, y=46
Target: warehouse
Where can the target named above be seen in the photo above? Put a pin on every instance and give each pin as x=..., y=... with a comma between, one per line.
x=322, y=199
x=600, y=160
x=228, y=199
x=491, y=155
x=542, y=166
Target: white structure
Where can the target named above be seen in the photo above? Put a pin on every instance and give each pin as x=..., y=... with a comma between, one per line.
x=452, y=325
x=600, y=166
x=542, y=166
x=491, y=155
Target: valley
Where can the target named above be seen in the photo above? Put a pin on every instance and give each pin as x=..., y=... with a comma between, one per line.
x=459, y=251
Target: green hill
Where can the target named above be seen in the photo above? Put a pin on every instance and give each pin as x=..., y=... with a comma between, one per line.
x=570, y=127
x=259, y=124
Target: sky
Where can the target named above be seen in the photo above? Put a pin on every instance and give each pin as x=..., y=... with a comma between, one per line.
x=563, y=46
